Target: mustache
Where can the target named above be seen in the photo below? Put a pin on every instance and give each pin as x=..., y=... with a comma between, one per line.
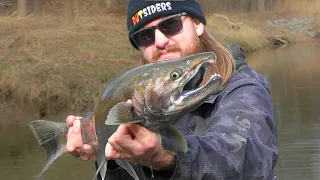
x=156, y=55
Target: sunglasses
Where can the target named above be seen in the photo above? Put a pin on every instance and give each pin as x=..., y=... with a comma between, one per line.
x=169, y=27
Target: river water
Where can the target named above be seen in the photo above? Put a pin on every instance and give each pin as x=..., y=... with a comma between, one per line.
x=294, y=75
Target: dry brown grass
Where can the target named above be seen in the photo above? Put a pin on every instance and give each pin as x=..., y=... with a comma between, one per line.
x=249, y=35
x=52, y=66
x=51, y=63
x=61, y=59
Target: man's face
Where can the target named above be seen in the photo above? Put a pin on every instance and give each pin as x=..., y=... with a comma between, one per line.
x=186, y=42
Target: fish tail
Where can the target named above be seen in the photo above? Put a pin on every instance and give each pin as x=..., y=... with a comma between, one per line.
x=102, y=169
x=102, y=163
x=52, y=136
x=125, y=165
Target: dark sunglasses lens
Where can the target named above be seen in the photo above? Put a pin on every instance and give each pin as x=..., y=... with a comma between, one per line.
x=171, y=26
x=144, y=37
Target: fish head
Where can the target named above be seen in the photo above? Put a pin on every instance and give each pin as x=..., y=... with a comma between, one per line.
x=168, y=89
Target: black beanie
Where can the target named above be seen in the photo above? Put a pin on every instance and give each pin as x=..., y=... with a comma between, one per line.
x=142, y=12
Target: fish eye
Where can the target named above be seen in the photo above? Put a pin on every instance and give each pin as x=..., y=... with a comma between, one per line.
x=174, y=75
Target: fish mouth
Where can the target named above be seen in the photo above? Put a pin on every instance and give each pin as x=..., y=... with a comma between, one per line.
x=192, y=84
x=199, y=83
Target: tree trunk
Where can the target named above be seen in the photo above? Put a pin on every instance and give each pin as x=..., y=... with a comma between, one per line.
x=22, y=8
x=69, y=9
x=261, y=5
x=108, y=3
x=36, y=6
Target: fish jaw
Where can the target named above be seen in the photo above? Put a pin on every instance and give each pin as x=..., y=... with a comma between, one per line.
x=196, y=96
x=183, y=100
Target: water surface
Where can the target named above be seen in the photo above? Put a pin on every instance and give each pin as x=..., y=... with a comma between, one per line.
x=294, y=74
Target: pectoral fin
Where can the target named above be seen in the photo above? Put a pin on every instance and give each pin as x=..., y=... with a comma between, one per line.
x=121, y=113
x=173, y=140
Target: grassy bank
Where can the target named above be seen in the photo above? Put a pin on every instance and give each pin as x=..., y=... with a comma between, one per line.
x=50, y=64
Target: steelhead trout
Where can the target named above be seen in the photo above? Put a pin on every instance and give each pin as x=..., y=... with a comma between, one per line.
x=161, y=93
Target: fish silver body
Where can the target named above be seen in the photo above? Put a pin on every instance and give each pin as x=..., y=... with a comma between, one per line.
x=161, y=93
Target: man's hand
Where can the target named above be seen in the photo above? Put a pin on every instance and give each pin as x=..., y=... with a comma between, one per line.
x=136, y=143
x=75, y=145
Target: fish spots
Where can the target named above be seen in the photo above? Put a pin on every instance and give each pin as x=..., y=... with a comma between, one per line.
x=144, y=74
x=158, y=82
x=138, y=100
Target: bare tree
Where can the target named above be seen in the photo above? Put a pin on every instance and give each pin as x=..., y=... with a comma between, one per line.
x=261, y=5
x=70, y=9
x=36, y=6
x=22, y=8
x=115, y=3
x=108, y=2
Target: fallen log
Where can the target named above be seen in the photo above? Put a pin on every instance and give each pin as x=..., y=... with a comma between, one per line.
x=277, y=40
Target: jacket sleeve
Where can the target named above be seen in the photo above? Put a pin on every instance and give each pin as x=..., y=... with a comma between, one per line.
x=239, y=141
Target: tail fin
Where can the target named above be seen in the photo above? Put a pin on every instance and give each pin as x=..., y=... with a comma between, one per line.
x=52, y=137
x=125, y=165
x=102, y=169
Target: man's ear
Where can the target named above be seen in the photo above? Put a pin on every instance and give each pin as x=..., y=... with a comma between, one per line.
x=199, y=26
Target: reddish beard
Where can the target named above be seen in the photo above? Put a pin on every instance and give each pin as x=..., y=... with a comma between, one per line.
x=156, y=55
x=190, y=50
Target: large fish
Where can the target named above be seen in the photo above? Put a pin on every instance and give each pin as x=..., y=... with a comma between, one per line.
x=161, y=93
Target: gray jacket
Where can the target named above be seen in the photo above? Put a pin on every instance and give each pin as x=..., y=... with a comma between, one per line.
x=238, y=133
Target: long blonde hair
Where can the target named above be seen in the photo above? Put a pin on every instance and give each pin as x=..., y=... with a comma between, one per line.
x=225, y=64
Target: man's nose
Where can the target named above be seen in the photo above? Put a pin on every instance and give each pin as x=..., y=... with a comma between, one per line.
x=161, y=40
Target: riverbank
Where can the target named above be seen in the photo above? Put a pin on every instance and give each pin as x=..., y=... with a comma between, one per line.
x=52, y=65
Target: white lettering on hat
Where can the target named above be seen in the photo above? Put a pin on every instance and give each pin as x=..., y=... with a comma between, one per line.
x=153, y=9
x=149, y=10
x=163, y=7
x=168, y=4
x=145, y=12
x=158, y=7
